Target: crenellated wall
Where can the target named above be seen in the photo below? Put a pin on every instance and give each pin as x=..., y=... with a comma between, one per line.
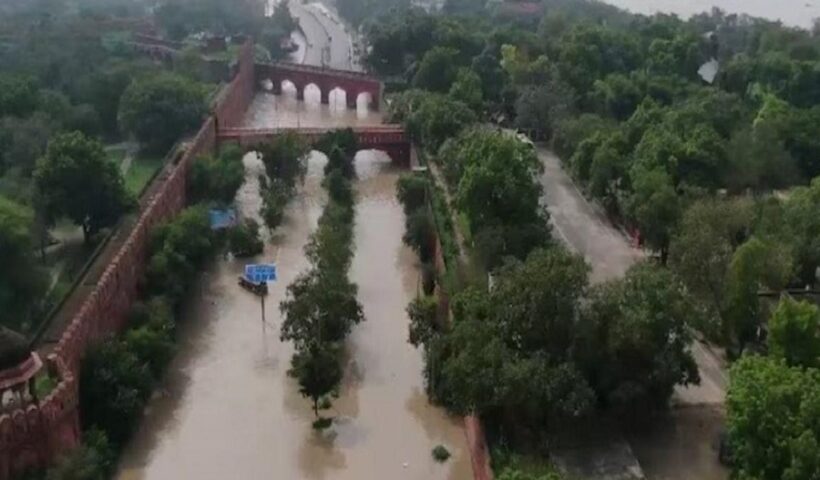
x=34, y=435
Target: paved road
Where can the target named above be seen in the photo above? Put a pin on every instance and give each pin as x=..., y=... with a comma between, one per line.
x=582, y=226
x=585, y=229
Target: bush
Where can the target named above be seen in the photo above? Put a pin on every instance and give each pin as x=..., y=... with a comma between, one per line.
x=94, y=460
x=284, y=158
x=244, y=239
x=440, y=453
x=177, y=249
x=216, y=178
x=114, y=386
x=322, y=423
x=423, y=323
x=159, y=109
x=275, y=197
x=337, y=159
x=339, y=188
x=411, y=190
x=420, y=234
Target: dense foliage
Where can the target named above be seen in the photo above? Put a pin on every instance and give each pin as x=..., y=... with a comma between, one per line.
x=75, y=179
x=21, y=281
x=158, y=110
x=321, y=306
x=217, y=176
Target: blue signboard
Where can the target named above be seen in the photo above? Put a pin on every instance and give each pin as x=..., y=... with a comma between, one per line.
x=260, y=272
x=222, y=218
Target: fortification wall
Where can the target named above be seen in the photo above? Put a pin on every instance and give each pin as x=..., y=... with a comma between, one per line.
x=34, y=435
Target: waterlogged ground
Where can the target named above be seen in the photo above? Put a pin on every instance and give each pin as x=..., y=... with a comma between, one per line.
x=228, y=408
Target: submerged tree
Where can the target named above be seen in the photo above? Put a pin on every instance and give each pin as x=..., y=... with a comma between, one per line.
x=317, y=370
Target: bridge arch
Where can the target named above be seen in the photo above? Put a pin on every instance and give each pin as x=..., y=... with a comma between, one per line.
x=353, y=83
x=390, y=139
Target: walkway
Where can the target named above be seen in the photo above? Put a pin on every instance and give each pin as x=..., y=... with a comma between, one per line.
x=688, y=434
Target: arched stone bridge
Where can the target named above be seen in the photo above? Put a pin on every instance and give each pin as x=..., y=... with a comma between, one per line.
x=390, y=139
x=326, y=79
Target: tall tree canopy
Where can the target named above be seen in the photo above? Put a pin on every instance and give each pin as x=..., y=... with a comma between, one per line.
x=75, y=179
x=159, y=109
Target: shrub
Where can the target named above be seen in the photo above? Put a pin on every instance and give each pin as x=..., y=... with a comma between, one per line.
x=244, y=239
x=411, y=190
x=420, y=233
x=114, y=386
x=423, y=323
x=275, y=198
x=339, y=188
x=94, y=460
x=440, y=453
x=337, y=159
x=216, y=178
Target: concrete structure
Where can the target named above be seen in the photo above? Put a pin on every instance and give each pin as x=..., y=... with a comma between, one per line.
x=390, y=139
x=326, y=79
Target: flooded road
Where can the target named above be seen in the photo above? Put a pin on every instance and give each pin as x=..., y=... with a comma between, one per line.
x=228, y=408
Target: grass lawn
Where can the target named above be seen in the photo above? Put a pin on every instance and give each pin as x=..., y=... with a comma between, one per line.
x=143, y=168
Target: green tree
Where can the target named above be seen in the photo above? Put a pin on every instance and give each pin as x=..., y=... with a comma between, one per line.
x=244, y=240
x=75, y=179
x=284, y=158
x=498, y=181
x=275, y=197
x=423, y=311
x=467, y=89
x=801, y=230
x=634, y=343
x=114, y=386
x=541, y=297
x=702, y=250
x=794, y=333
x=771, y=414
x=411, y=189
x=321, y=306
x=755, y=265
x=21, y=282
x=655, y=207
x=435, y=118
x=438, y=70
x=759, y=162
x=540, y=108
x=158, y=110
x=316, y=367
x=216, y=178
x=94, y=459
x=19, y=95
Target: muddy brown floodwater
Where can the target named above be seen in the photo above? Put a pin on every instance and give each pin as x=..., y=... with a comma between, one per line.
x=228, y=409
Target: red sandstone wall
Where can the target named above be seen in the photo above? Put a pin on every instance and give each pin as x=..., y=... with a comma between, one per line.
x=35, y=435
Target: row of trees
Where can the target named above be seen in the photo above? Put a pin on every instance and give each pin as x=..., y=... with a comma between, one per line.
x=321, y=306
x=284, y=160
